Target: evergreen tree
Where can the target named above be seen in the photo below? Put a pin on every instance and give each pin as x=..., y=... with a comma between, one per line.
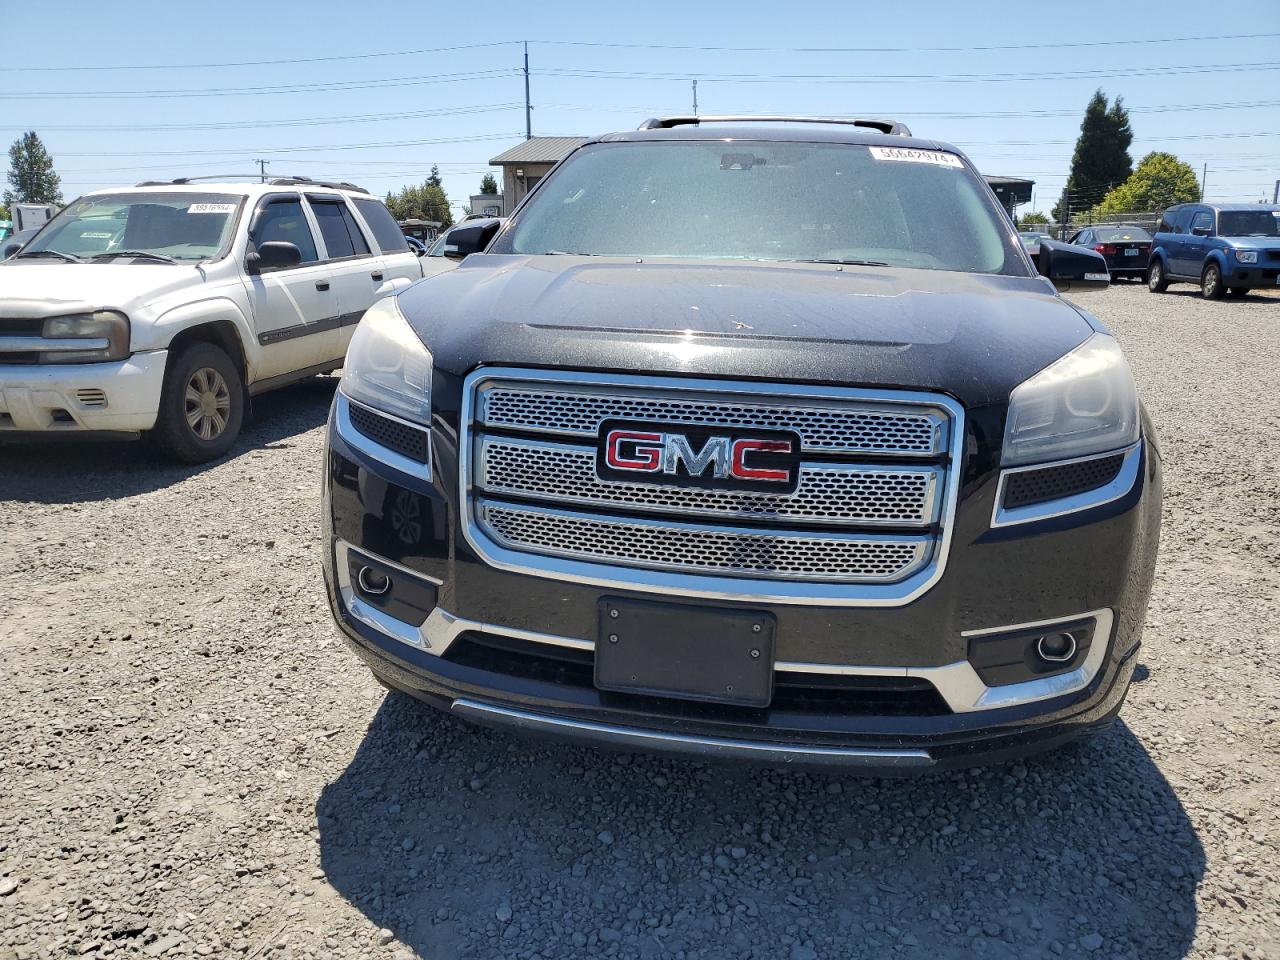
x=1101, y=161
x=488, y=185
x=434, y=180
x=31, y=176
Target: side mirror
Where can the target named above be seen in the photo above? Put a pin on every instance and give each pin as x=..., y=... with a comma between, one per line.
x=1200, y=231
x=273, y=255
x=10, y=249
x=420, y=251
x=1070, y=267
x=469, y=239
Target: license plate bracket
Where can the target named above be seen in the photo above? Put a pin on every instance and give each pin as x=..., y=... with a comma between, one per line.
x=711, y=654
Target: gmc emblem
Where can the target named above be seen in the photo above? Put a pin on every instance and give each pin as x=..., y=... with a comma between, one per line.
x=743, y=459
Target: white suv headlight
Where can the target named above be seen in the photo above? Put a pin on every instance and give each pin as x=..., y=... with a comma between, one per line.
x=1081, y=404
x=387, y=366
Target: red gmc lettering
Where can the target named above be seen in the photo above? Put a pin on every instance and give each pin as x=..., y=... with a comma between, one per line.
x=742, y=471
x=644, y=459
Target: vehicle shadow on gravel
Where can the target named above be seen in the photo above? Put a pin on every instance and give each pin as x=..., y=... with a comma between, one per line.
x=471, y=843
x=74, y=470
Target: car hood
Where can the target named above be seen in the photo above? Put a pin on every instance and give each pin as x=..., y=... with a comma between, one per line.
x=973, y=336
x=48, y=288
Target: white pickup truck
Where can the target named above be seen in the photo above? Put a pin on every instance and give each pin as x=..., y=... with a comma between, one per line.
x=164, y=307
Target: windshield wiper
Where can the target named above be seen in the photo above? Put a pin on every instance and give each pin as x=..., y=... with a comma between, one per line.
x=568, y=253
x=69, y=257
x=848, y=263
x=158, y=257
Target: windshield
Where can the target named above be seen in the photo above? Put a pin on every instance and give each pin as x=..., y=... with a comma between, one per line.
x=437, y=248
x=178, y=226
x=1121, y=234
x=1249, y=223
x=761, y=200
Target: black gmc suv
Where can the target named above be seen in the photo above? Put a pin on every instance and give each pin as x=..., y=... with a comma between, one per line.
x=749, y=439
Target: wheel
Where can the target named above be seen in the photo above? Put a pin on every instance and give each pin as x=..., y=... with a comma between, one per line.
x=201, y=405
x=1156, y=281
x=1211, y=287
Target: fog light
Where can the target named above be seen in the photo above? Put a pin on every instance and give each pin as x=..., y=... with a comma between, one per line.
x=1056, y=647
x=373, y=582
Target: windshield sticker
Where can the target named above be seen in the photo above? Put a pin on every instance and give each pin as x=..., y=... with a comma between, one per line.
x=96, y=235
x=937, y=158
x=211, y=208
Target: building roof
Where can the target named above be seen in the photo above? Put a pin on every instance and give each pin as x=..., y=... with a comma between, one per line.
x=540, y=150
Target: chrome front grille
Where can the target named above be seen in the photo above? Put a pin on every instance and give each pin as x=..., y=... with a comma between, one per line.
x=729, y=551
x=828, y=493
x=822, y=426
x=867, y=524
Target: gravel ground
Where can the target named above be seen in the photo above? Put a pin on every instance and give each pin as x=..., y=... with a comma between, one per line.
x=192, y=764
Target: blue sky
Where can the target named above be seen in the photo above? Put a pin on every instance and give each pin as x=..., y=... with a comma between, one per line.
x=599, y=67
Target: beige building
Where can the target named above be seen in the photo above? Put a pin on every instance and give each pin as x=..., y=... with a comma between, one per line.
x=524, y=165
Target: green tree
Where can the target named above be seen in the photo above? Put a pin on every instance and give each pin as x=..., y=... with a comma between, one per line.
x=1160, y=181
x=1101, y=160
x=1033, y=219
x=425, y=202
x=434, y=180
x=31, y=176
x=488, y=184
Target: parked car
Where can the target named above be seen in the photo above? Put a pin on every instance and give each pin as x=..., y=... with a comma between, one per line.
x=440, y=258
x=161, y=308
x=1125, y=247
x=16, y=241
x=1031, y=242
x=1226, y=248
x=750, y=439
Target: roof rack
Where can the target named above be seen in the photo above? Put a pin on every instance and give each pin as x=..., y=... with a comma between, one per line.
x=182, y=180
x=331, y=184
x=891, y=127
x=275, y=182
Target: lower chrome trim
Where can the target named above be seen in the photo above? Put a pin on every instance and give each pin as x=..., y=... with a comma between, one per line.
x=650, y=740
x=1117, y=488
x=958, y=683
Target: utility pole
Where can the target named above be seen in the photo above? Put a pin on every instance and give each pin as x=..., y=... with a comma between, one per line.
x=262, y=170
x=695, y=98
x=528, y=110
x=1275, y=197
x=1204, y=175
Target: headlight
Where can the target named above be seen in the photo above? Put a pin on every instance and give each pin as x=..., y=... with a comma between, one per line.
x=106, y=331
x=387, y=366
x=1081, y=404
x=1247, y=256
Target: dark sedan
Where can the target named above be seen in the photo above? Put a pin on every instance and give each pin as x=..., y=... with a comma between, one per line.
x=1126, y=248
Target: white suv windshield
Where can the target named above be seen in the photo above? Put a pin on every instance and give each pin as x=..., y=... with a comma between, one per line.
x=765, y=200
x=162, y=226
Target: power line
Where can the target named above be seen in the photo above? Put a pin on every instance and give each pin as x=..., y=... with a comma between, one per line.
x=263, y=63
x=1137, y=41
x=316, y=148
x=265, y=124
x=1162, y=71
x=328, y=87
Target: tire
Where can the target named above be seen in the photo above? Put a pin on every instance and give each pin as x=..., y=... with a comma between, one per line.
x=202, y=405
x=1211, y=287
x=1156, y=280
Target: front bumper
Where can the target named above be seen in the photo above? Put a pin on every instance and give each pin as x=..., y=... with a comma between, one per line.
x=913, y=701
x=119, y=396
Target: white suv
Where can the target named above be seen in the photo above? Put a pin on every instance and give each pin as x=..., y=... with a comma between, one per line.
x=164, y=307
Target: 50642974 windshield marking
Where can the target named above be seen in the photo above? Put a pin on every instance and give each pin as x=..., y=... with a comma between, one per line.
x=936, y=158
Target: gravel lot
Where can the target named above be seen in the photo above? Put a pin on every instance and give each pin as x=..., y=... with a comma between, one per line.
x=193, y=765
